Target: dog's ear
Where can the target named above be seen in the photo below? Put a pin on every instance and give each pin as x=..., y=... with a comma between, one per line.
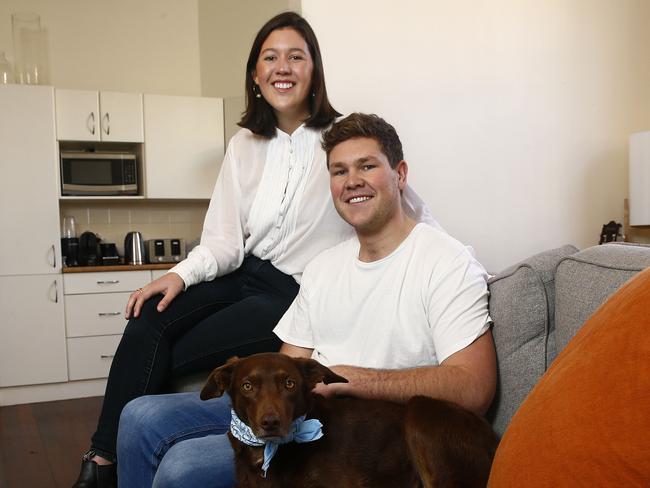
x=219, y=380
x=314, y=372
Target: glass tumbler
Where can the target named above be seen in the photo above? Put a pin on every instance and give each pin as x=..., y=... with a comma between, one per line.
x=28, y=47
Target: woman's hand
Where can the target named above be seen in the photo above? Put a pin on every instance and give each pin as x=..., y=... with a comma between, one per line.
x=169, y=285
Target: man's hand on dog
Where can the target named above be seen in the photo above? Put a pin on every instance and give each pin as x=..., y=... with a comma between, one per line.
x=338, y=389
x=169, y=285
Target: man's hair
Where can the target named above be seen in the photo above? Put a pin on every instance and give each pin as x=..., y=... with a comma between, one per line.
x=365, y=125
x=259, y=116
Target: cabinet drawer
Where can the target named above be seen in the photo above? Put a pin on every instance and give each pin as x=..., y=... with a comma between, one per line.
x=91, y=357
x=95, y=314
x=110, y=281
x=157, y=273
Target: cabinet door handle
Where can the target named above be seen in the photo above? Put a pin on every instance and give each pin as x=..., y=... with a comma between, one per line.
x=107, y=356
x=106, y=123
x=53, y=256
x=108, y=314
x=55, y=284
x=107, y=282
x=90, y=123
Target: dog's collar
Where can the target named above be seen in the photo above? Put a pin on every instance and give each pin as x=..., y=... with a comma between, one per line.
x=301, y=431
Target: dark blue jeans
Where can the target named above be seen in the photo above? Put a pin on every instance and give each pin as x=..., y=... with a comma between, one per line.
x=200, y=329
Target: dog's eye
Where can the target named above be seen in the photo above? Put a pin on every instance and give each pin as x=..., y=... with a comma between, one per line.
x=247, y=386
x=289, y=384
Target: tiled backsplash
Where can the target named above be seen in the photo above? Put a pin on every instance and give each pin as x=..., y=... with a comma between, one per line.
x=112, y=220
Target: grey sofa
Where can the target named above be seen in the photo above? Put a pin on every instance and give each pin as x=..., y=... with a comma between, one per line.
x=539, y=304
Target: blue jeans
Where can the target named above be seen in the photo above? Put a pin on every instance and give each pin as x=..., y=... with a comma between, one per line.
x=175, y=440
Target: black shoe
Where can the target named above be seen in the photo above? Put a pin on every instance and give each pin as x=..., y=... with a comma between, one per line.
x=94, y=475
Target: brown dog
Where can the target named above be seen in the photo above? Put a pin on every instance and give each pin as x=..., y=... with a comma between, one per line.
x=366, y=443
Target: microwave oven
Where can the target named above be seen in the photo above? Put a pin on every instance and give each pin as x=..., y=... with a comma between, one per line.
x=98, y=173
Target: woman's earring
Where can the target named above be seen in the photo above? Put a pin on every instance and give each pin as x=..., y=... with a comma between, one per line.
x=256, y=90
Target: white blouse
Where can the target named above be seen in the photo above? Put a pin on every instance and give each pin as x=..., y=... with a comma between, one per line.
x=272, y=200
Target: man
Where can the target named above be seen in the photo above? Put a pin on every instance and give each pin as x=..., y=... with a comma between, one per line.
x=401, y=297
x=400, y=310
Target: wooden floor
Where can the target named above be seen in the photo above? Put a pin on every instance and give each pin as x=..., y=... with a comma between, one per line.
x=41, y=443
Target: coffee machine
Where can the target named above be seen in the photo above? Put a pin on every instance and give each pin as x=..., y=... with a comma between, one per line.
x=69, y=242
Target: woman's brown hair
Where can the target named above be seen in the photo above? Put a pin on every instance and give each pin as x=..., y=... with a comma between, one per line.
x=259, y=116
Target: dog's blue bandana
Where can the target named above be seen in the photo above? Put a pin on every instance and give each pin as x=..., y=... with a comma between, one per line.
x=301, y=431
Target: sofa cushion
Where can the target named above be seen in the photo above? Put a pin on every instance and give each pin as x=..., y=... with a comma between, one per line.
x=586, y=422
x=521, y=306
x=586, y=279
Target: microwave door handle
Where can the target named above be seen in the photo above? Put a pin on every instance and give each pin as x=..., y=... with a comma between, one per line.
x=90, y=123
x=106, y=123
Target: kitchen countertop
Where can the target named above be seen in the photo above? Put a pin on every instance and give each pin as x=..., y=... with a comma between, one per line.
x=118, y=267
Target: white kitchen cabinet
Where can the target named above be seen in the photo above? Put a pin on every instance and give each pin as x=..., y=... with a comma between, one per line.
x=184, y=145
x=91, y=357
x=85, y=115
x=94, y=318
x=158, y=273
x=32, y=330
x=29, y=220
x=95, y=314
x=105, y=281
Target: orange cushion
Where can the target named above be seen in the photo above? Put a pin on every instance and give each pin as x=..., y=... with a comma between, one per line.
x=587, y=421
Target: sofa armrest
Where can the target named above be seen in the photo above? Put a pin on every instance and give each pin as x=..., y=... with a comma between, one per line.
x=521, y=305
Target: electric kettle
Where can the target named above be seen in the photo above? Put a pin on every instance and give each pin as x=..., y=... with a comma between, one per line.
x=133, y=248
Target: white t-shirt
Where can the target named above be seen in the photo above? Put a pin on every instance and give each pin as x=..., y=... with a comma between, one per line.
x=417, y=306
x=272, y=200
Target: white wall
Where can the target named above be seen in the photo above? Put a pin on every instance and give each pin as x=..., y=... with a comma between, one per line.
x=147, y=46
x=514, y=114
x=227, y=30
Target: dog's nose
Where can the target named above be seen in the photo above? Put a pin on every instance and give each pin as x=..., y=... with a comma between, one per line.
x=270, y=422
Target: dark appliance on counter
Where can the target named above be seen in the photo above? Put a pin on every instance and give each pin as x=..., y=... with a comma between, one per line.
x=89, y=252
x=69, y=242
x=165, y=250
x=134, y=248
x=70, y=251
x=109, y=254
x=98, y=173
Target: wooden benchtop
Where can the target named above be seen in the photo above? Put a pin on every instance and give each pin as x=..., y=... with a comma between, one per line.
x=118, y=267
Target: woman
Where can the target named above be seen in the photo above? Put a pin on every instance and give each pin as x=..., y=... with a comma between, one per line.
x=270, y=213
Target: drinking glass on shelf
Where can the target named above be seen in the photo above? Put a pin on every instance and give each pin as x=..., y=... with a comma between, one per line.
x=69, y=227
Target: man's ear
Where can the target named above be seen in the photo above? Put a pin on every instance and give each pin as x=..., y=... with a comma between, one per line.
x=314, y=372
x=219, y=380
x=402, y=170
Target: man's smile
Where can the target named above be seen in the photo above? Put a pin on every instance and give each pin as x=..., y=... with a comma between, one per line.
x=359, y=199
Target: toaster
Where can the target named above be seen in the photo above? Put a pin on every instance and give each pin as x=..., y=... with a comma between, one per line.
x=165, y=250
